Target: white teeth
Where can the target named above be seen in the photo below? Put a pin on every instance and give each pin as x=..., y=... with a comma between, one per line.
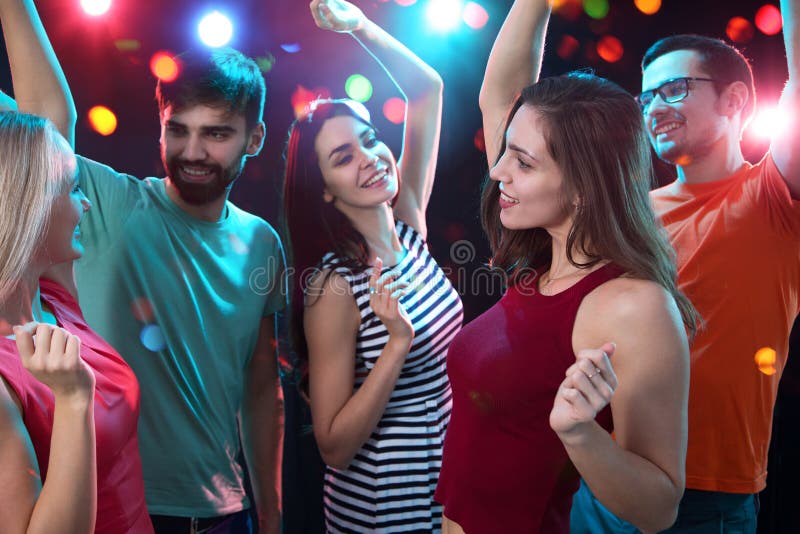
x=374, y=179
x=507, y=198
x=668, y=128
x=196, y=172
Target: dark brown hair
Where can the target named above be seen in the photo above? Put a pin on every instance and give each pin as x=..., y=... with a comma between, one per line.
x=595, y=134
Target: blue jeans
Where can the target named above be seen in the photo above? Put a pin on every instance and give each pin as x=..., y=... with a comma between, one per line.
x=700, y=512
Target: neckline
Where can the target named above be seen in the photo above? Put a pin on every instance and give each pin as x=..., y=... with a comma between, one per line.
x=567, y=292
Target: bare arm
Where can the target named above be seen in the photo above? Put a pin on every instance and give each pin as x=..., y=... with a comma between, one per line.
x=40, y=86
x=640, y=475
x=262, y=428
x=343, y=420
x=785, y=147
x=68, y=500
x=514, y=63
x=420, y=85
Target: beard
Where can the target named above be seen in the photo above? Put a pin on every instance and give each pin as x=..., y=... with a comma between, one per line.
x=200, y=193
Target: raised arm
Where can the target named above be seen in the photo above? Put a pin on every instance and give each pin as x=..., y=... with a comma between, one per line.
x=639, y=475
x=40, y=86
x=514, y=63
x=420, y=85
x=785, y=147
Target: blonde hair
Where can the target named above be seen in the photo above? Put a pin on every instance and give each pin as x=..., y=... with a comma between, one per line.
x=36, y=166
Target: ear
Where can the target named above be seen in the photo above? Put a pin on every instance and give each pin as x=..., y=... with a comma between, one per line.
x=327, y=197
x=256, y=139
x=734, y=98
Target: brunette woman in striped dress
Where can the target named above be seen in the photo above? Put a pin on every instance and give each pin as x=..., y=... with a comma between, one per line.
x=376, y=311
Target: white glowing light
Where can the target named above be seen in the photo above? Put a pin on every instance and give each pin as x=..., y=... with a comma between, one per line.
x=768, y=122
x=215, y=29
x=444, y=15
x=96, y=8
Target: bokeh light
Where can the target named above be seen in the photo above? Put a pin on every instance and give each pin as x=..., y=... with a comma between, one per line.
x=765, y=360
x=569, y=9
x=648, y=7
x=102, y=120
x=475, y=16
x=769, y=20
x=302, y=98
x=610, y=49
x=142, y=310
x=291, y=48
x=739, y=30
x=127, y=45
x=479, y=140
x=567, y=47
x=96, y=8
x=444, y=15
x=405, y=3
x=152, y=338
x=358, y=87
x=394, y=110
x=164, y=67
x=597, y=9
x=768, y=122
x=215, y=29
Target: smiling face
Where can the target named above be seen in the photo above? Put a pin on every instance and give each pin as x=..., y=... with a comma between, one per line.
x=358, y=169
x=530, y=181
x=688, y=130
x=62, y=240
x=203, y=150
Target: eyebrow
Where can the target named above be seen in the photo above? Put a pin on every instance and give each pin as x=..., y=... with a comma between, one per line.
x=516, y=148
x=204, y=129
x=346, y=146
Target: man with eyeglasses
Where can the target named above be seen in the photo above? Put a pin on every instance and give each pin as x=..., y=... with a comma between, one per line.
x=736, y=231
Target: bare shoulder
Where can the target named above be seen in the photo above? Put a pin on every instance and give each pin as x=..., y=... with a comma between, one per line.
x=329, y=302
x=627, y=299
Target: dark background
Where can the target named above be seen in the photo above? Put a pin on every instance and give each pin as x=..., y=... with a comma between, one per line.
x=100, y=73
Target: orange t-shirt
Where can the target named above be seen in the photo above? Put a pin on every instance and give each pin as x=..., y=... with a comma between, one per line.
x=738, y=248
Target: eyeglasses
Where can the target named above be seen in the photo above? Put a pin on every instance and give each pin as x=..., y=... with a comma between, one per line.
x=671, y=91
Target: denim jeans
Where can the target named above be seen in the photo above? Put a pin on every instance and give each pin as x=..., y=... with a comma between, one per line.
x=700, y=512
x=235, y=523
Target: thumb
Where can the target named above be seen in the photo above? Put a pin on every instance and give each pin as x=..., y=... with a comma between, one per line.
x=24, y=338
x=609, y=348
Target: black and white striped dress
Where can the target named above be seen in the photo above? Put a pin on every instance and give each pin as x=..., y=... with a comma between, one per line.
x=389, y=485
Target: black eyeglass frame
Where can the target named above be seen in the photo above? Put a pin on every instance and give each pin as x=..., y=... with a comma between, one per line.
x=666, y=98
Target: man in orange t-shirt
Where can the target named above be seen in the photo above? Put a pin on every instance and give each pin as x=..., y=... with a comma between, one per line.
x=736, y=231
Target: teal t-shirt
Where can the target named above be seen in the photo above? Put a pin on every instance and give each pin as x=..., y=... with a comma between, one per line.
x=181, y=299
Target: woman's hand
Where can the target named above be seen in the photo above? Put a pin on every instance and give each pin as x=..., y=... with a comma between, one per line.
x=384, y=298
x=53, y=356
x=337, y=15
x=587, y=389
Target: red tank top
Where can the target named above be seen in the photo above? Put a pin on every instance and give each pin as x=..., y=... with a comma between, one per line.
x=121, y=507
x=503, y=468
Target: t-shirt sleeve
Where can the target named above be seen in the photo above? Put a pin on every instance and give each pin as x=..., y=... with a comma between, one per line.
x=114, y=196
x=277, y=288
x=772, y=192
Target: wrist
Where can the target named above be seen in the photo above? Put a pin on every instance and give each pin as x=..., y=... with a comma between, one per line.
x=578, y=436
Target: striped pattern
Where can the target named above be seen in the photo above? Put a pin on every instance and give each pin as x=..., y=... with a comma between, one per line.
x=389, y=485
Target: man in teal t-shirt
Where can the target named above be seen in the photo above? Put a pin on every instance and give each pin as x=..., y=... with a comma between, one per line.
x=185, y=286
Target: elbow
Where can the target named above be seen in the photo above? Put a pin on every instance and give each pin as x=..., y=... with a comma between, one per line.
x=664, y=517
x=337, y=459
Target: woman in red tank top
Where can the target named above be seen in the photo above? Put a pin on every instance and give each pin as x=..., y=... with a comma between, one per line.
x=592, y=318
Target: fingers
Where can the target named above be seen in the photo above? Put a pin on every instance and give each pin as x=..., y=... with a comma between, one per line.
x=24, y=338
x=594, y=362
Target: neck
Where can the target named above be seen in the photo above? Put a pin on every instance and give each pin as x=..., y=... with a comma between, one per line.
x=22, y=306
x=724, y=159
x=377, y=227
x=210, y=211
x=560, y=264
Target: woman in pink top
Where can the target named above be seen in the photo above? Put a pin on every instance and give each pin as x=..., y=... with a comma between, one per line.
x=70, y=404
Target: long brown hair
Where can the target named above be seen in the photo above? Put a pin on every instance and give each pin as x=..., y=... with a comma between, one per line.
x=595, y=134
x=311, y=226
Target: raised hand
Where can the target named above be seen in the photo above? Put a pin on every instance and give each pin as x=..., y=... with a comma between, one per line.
x=337, y=15
x=586, y=390
x=53, y=356
x=384, y=298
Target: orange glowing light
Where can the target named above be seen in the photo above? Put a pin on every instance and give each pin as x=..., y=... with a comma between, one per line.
x=569, y=9
x=739, y=30
x=648, y=7
x=768, y=19
x=102, y=120
x=480, y=140
x=394, y=110
x=765, y=360
x=164, y=67
x=142, y=310
x=610, y=49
